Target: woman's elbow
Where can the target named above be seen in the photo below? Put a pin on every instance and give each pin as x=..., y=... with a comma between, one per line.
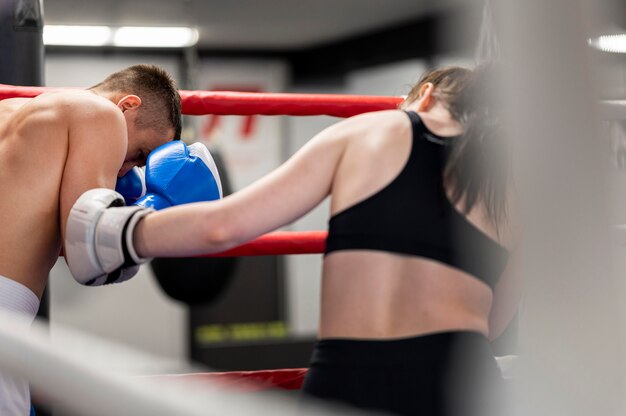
x=218, y=236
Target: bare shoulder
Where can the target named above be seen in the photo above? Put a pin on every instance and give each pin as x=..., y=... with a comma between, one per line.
x=378, y=129
x=60, y=108
x=80, y=104
x=376, y=122
x=66, y=109
x=380, y=139
x=92, y=117
x=361, y=133
x=92, y=121
x=373, y=129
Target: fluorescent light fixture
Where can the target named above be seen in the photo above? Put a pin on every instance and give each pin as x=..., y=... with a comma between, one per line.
x=127, y=36
x=155, y=37
x=76, y=35
x=610, y=43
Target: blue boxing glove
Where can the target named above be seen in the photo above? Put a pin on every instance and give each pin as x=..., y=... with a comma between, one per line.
x=180, y=174
x=132, y=186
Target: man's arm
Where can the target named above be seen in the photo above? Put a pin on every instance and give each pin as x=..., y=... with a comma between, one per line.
x=97, y=142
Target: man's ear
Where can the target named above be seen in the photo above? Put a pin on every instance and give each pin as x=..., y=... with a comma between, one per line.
x=425, y=98
x=129, y=102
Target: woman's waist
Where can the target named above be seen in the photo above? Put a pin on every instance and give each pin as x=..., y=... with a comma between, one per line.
x=375, y=296
x=362, y=325
x=423, y=350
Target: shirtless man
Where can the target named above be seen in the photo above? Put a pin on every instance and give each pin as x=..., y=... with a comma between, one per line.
x=55, y=147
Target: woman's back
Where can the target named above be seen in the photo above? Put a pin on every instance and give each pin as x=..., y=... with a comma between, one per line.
x=370, y=291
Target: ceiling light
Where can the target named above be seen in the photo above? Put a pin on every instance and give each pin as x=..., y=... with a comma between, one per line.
x=127, y=36
x=76, y=35
x=155, y=37
x=610, y=43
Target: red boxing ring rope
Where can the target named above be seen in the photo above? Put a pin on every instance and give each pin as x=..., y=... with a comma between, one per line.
x=268, y=104
x=253, y=103
x=11, y=91
x=242, y=381
x=280, y=242
x=245, y=103
x=277, y=243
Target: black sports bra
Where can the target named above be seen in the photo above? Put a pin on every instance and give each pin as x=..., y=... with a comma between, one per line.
x=412, y=215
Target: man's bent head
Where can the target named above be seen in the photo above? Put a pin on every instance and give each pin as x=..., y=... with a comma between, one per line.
x=151, y=104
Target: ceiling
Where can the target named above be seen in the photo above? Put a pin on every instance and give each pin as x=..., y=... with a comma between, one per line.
x=250, y=24
x=275, y=24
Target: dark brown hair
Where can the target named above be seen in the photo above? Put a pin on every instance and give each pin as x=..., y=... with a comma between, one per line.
x=477, y=170
x=160, y=101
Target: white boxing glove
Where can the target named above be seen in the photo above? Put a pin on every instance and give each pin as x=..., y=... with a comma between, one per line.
x=98, y=238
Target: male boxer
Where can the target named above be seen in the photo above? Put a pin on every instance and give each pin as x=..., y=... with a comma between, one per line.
x=55, y=147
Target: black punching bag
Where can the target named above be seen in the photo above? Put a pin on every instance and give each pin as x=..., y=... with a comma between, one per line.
x=196, y=281
x=21, y=42
x=21, y=56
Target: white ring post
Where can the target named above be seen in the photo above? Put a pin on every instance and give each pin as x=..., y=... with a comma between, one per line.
x=571, y=325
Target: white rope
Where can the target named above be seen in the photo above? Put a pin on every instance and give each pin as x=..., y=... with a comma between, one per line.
x=84, y=383
x=572, y=325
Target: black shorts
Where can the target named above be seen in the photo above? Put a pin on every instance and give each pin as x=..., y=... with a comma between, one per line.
x=451, y=374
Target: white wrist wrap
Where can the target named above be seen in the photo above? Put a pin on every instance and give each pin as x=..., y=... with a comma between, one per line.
x=115, y=229
x=98, y=241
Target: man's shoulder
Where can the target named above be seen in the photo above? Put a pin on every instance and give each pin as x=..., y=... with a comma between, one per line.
x=72, y=100
x=79, y=106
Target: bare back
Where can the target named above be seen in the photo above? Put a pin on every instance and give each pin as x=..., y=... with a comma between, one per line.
x=377, y=294
x=34, y=148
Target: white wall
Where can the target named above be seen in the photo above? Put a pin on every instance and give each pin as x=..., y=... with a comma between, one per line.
x=248, y=155
x=391, y=79
x=86, y=70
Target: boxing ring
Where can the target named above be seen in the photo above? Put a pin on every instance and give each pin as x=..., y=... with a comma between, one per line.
x=132, y=393
x=266, y=104
x=32, y=355
x=97, y=380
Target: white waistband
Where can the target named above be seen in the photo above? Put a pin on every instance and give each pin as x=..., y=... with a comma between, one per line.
x=17, y=298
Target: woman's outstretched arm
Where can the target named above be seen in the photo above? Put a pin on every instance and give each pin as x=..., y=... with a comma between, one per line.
x=275, y=200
